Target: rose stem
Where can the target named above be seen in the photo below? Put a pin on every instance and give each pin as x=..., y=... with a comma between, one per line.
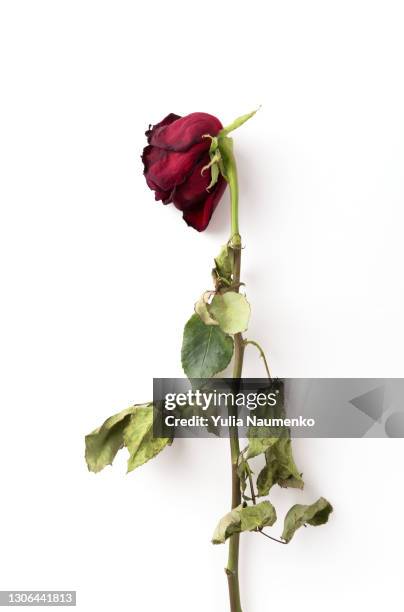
x=232, y=569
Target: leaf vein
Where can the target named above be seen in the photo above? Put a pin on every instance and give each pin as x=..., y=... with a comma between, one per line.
x=206, y=351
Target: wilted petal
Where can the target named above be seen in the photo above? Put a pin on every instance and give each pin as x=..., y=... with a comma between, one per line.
x=166, y=121
x=171, y=168
x=173, y=161
x=199, y=216
x=181, y=134
x=193, y=190
x=150, y=156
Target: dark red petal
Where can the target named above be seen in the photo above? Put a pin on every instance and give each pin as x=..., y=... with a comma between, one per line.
x=199, y=216
x=172, y=167
x=150, y=156
x=193, y=190
x=159, y=194
x=166, y=121
x=181, y=134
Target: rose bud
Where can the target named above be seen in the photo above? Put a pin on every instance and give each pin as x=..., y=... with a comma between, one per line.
x=174, y=162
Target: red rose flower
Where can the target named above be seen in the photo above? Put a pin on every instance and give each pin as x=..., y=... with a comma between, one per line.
x=173, y=163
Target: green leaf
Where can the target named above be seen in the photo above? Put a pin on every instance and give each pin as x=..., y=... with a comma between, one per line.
x=139, y=439
x=257, y=446
x=244, y=519
x=298, y=515
x=103, y=443
x=133, y=428
x=231, y=310
x=280, y=468
x=206, y=349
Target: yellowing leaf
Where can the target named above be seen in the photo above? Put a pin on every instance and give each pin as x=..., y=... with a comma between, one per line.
x=201, y=309
x=103, y=443
x=224, y=263
x=280, y=468
x=257, y=446
x=231, y=310
x=133, y=428
x=298, y=515
x=139, y=439
x=244, y=519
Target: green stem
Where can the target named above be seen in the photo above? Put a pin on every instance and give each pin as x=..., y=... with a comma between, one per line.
x=232, y=569
x=233, y=184
x=230, y=173
x=262, y=354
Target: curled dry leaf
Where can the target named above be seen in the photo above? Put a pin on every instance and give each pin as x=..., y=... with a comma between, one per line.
x=241, y=519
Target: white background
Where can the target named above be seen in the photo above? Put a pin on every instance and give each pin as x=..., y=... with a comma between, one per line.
x=97, y=281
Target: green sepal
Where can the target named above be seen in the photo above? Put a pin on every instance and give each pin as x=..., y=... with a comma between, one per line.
x=220, y=150
x=215, y=161
x=225, y=144
x=236, y=123
x=215, y=173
